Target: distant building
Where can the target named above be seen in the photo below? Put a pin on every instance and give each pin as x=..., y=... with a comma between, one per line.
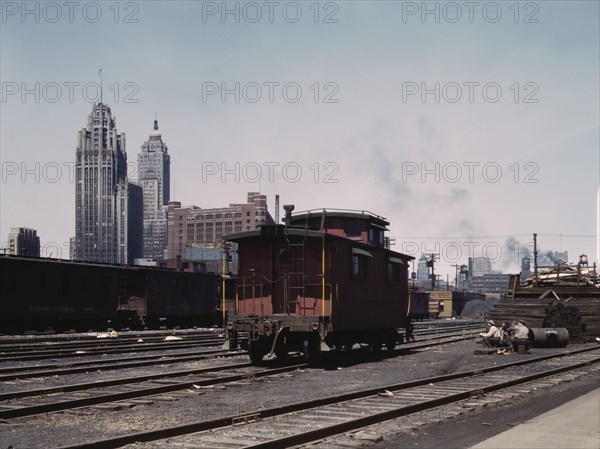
x=204, y=228
x=23, y=242
x=154, y=174
x=478, y=266
x=560, y=256
x=423, y=276
x=103, y=193
x=129, y=222
x=490, y=283
x=525, y=269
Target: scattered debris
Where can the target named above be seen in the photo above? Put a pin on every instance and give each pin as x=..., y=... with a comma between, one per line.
x=172, y=338
x=111, y=334
x=386, y=393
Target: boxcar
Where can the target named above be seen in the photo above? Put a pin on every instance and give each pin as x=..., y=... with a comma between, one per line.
x=324, y=279
x=39, y=293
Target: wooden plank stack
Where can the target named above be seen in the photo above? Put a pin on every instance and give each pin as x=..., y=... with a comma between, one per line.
x=561, y=296
x=580, y=316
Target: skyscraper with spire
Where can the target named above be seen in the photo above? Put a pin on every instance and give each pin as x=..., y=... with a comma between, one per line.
x=154, y=175
x=107, y=226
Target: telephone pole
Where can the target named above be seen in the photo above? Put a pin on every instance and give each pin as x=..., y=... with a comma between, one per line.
x=431, y=263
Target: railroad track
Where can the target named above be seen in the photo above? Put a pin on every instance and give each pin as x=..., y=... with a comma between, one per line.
x=45, y=400
x=35, y=401
x=118, y=348
x=316, y=419
x=11, y=343
x=28, y=372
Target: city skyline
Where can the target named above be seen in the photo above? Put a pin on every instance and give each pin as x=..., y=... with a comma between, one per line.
x=380, y=124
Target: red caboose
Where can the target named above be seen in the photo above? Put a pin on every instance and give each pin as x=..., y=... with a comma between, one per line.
x=324, y=279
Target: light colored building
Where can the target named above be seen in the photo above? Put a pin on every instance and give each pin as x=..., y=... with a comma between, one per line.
x=478, y=266
x=195, y=227
x=423, y=276
x=154, y=174
x=490, y=283
x=23, y=242
x=101, y=192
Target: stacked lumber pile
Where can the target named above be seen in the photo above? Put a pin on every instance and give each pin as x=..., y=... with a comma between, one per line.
x=533, y=313
x=580, y=316
x=562, y=296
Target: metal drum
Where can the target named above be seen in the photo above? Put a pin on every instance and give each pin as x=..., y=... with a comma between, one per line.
x=550, y=337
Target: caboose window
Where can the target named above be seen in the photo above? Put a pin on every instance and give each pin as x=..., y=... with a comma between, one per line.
x=359, y=267
x=393, y=273
x=352, y=228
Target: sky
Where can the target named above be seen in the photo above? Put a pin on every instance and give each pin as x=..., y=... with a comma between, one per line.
x=468, y=125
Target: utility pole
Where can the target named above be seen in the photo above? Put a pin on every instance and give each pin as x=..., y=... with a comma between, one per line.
x=431, y=263
x=535, y=261
x=455, y=275
x=388, y=242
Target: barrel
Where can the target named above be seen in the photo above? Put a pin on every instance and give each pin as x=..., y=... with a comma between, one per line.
x=550, y=337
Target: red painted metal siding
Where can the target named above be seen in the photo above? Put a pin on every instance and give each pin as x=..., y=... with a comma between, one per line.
x=370, y=303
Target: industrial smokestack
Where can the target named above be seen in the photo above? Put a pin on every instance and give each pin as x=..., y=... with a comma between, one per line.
x=276, y=209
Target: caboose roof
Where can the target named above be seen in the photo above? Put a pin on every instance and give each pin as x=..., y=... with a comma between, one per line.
x=374, y=219
x=280, y=232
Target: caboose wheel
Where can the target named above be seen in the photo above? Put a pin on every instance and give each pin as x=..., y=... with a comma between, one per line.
x=281, y=353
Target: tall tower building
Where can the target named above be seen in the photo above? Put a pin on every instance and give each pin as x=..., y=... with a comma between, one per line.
x=102, y=193
x=23, y=242
x=154, y=175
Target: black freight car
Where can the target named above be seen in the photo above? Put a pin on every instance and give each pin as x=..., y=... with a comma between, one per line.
x=323, y=280
x=42, y=293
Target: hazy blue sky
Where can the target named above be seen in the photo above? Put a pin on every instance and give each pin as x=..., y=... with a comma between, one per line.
x=507, y=130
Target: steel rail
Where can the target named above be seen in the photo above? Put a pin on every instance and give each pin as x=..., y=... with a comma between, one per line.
x=112, y=397
x=95, y=341
x=106, y=365
x=118, y=441
x=175, y=344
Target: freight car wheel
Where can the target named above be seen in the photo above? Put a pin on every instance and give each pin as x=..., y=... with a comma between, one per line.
x=391, y=346
x=433, y=316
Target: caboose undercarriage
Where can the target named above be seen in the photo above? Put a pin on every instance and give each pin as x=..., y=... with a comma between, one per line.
x=280, y=334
